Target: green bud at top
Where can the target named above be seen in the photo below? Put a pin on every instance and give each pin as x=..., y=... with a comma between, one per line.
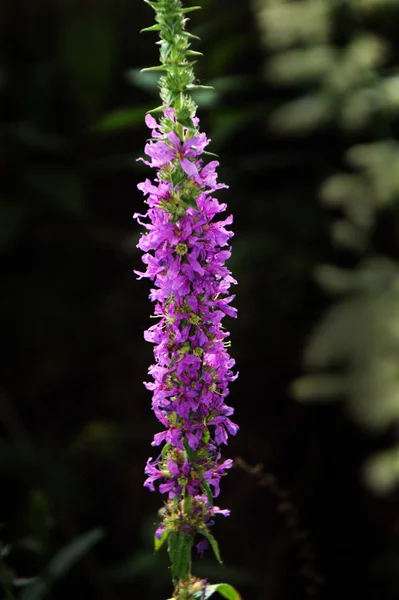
x=175, y=57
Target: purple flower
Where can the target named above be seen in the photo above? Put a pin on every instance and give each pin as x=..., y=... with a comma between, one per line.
x=202, y=546
x=163, y=151
x=213, y=475
x=159, y=531
x=185, y=250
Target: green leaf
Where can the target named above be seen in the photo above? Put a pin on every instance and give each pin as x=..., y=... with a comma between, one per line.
x=186, y=122
x=157, y=68
x=207, y=490
x=157, y=109
x=204, y=96
x=190, y=35
x=152, y=28
x=159, y=543
x=147, y=81
x=179, y=547
x=224, y=589
x=213, y=543
x=165, y=449
x=70, y=554
x=189, y=9
x=193, y=86
x=119, y=119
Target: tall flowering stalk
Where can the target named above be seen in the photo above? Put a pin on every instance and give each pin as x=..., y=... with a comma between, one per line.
x=185, y=249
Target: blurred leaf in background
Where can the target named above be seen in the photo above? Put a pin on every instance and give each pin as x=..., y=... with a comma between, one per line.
x=351, y=70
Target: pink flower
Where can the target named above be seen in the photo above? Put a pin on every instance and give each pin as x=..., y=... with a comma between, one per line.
x=185, y=251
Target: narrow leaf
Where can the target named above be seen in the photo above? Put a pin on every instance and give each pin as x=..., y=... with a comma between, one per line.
x=227, y=591
x=207, y=491
x=157, y=68
x=159, y=543
x=186, y=123
x=190, y=452
x=157, y=109
x=185, y=65
x=165, y=449
x=192, y=86
x=190, y=35
x=187, y=10
x=213, y=543
x=152, y=28
x=146, y=81
x=118, y=119
x=224, y=589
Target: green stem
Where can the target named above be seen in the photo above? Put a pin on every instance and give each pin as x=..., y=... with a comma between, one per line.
x=174, y=85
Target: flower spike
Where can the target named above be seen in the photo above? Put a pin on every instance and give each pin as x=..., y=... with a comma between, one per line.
x=185, y=248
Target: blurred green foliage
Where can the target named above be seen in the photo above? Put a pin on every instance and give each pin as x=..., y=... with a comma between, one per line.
x=351, y=67
x=54, y=565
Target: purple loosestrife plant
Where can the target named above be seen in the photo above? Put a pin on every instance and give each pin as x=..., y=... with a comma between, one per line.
x=185, y=249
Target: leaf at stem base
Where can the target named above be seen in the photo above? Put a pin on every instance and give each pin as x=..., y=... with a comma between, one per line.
x=224, y=589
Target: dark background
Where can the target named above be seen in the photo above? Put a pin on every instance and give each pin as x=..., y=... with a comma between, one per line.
x=75, y=418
